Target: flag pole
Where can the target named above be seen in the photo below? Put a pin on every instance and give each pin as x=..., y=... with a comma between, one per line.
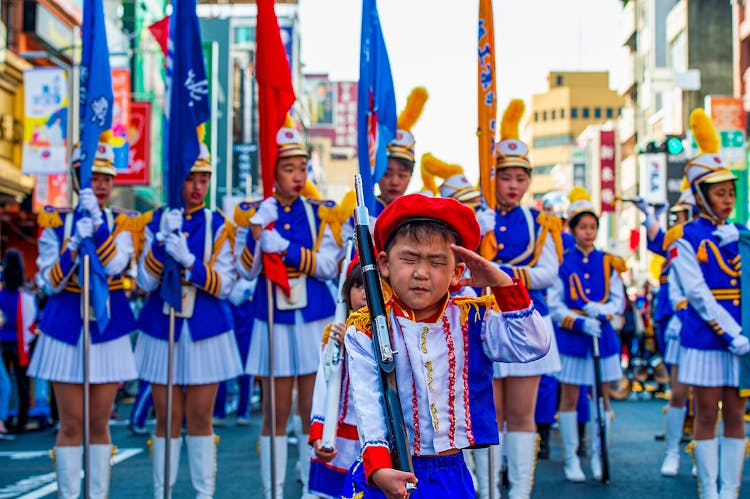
x=168, y=421
x=86, y=375
x=271, y=387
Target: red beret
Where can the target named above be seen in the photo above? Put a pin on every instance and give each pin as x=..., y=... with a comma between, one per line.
x=353, y=263
x=414, y=207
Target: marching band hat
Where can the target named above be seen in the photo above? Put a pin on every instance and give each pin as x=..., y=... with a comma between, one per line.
x=104, y=160
x=416, y=207
x=511, y=152
x=707, y=167
x=580, y=202
x=203, y=163
x=402, y=145
x=555, y=203
x=455, y=186
x=686, y=200
x=289, y=141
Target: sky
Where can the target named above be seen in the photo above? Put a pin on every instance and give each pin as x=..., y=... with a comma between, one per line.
x=432, y=43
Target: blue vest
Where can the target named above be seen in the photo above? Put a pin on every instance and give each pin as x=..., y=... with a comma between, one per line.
x=211, y=316
x=293, y=225
x=721, y=267
x=585, y=278
x=516, y=240
x=61, y=318
x=9, y=307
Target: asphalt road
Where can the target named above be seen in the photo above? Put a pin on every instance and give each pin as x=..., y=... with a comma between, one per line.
x=26, y=470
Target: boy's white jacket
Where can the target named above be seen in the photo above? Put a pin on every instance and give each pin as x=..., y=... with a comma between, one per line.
x=444, y=371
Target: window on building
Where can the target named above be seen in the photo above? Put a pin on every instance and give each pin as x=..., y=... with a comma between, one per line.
x=573, y=113
x=562, y=113
x=597, y=112
x=554, y=114
x=553, y=140
x=585, y=113
x=610, y=112
x=544, y=115
x=543, y=169
x=559, y=80
x=536, y=116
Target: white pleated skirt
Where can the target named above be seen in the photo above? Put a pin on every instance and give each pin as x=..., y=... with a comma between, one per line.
x=199, y=362
x=548, y=364
x=672, y=353
x=708, y=367
x=296, y=347
x=580, y=370
x=109, y=362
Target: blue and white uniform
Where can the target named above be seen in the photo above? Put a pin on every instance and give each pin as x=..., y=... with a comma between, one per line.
x=311, y=259
x=530, y=249
x=205, y=349
x=583, y=278
x=59, y=351
x=444, y=378
x=709, y=274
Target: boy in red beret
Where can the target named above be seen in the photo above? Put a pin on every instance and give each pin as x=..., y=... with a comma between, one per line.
x=444, y=348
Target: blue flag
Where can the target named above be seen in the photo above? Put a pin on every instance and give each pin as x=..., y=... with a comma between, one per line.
x=186, y=107
x=376, y=103
x=96, y=116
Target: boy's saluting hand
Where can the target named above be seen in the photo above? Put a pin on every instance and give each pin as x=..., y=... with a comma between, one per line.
x=483, y=273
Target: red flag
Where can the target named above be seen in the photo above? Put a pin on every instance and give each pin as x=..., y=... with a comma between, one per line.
x=275, y=98
x=160, y=31
x=23, y=353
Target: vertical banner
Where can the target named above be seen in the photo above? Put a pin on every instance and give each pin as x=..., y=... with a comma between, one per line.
x=345, y=118
x=653, y=180
x=607, y=163
x=486, y=101
x=50, y=190
x=121, y=116
x=137, y=170
x=45, y=123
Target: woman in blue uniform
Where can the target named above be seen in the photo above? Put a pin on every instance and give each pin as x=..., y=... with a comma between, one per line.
x=527, y=245
x=707, y=263
x=205, y=351
x=587, y=294
x=307, y=234
x=59, y=351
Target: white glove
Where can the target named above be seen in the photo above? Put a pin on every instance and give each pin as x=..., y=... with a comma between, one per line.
x=727, y=234
x=172, y=223
x=673, y=328
x=594, y=310
x=486, y=219
x=272, y=242
x=643, y=206
x=84, y=230
x=592, y=327
x=740, y=345
x=660, y=209
x=268, y=213
x=177, y=248
x=88, y=202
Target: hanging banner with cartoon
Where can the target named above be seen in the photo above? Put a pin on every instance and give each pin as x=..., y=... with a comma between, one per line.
x=45, y=131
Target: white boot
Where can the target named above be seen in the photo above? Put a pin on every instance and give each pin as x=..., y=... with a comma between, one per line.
x=481, y=469
x=305, y=453
x=202, y=460
x=471, y=466
x=732, y=461
x=101, y=464
x=706, y=453
x=521, y=463
x=596, y=452
x=68, y=464
x=497, y=464
x=569, y=434
x=159, y=452
x=673, y=435
x=280, y=448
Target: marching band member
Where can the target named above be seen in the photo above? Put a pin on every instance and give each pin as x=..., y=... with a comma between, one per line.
x=527, y=245
x=670, y=305
x=584, y=298
x=446, y=347
x=707, y=263
x=307, y=233
x=205, y=351
x=59, y=350
x=328, y=469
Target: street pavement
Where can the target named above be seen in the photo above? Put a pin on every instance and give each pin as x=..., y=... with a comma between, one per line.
x=26, y=469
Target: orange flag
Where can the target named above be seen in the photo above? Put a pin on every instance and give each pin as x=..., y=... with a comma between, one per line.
x=486, y=101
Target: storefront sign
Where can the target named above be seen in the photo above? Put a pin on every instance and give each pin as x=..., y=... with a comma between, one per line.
x=45, y=122
x=139, y=153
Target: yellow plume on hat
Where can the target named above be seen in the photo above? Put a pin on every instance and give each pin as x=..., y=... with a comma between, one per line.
x=511, y=119
x=578, y=193
x=685, y=185
x=311, y=191
x=436, y=167
x=107, y=137
x=414, y=105
x=349, y=202
x=704, y=132
x=201, y=131
x=428, y=179
x=288, y=122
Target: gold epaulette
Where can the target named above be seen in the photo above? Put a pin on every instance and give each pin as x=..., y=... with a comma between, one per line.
x=465, y=304
x=244, y=211
x=554, y=225
x=227, y=234
x=616, y=262
x=671, y=236
x=335, y=215
x=49, y=217
x=135, y=223
x=361, y=321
